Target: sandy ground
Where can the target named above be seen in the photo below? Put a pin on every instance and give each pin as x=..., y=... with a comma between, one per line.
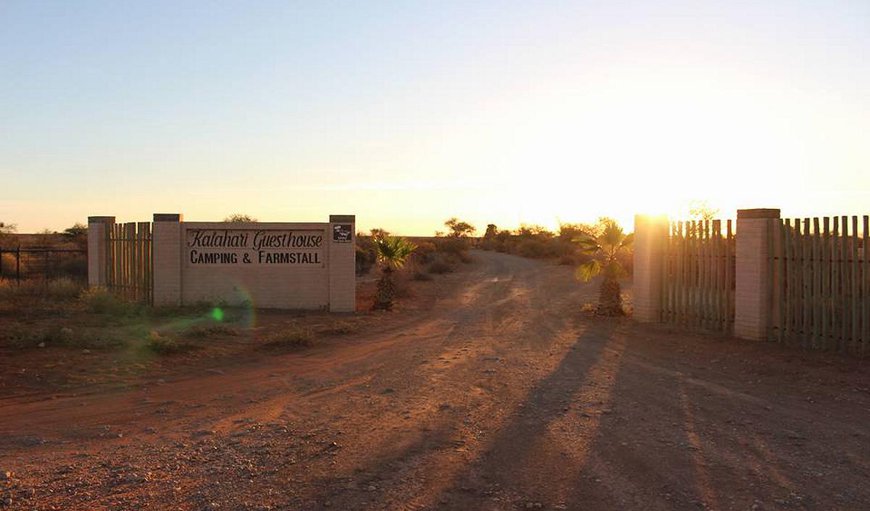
x=487, y=389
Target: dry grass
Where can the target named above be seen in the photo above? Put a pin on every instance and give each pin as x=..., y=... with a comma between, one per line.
x=292, y=336
x=440, y=267
x=34, y=297
x=164, y=344
x=421, y=276
x=27, y=337
x=101, y=301
x=337, y=328
x=206, y=331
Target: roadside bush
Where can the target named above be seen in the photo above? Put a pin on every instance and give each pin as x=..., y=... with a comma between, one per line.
x=7, y=262
x=568, y=260
x=626, y=259
x=204, y=331
x=291, y=337
x=425, y=253
x=365, y=256
x=56, y=289
x=454, y=246
x=536, y=248
x=77, y=268
x=21, y=337
x=440, y=267
x=64, y=288
x=337, y=328
x=164, y=345
x=421, y=276
x=99, y=300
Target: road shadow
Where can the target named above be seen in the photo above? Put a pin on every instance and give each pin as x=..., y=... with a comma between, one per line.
x=527, y=456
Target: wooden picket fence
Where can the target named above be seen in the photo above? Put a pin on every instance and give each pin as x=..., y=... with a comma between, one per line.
x=129, y=268
x=820, y=283
x=698, y=275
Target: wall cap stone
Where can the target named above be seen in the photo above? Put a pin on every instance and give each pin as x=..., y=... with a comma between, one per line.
x=757, y=213
x=101, y=219
x=167, y=217
x=343, y=219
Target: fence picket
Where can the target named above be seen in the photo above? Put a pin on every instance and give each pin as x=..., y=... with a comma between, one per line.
x=128, y=263
x=865, y=299
x=697, y=277
x=826, y=282
x=853, y=303
x=816, y=281
x=781, y=283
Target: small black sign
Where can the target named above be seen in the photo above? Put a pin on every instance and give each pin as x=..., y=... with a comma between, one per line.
x=342, y=233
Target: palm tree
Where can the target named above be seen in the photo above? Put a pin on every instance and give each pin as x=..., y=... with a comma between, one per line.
x=392, y=252
x=604, y=249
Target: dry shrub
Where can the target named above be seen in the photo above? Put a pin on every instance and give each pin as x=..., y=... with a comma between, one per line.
x=8, y=264
x=539, y=248
x=453, y=246
x=568, y=260
x=61, y=289
x=424, y=253
x=440, y=267
x=337, y=328
x=291, y=337
x=101, y=301
x=365, y=256
x=164, y=344
x=21, y=337
x=205, y=331
x=589, y=308
x=74, y=267
x=401, y=285
x=421, y=276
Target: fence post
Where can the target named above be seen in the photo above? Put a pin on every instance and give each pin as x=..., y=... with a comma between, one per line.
x=98, y=229
x=753, y=307
x=340, y=241
x=650, y=234
x=166, y=252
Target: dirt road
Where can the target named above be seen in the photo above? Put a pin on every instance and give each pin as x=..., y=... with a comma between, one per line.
x=497, y=394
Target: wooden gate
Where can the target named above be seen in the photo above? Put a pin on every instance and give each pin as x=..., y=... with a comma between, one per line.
x=129, y=262
x=698, y=275
x=820, y=283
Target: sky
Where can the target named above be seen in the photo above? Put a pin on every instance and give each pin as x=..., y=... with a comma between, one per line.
x=408, y=113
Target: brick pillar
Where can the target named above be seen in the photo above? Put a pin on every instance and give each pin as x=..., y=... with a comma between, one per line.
x=753, y=308
x=341, y=242
x=166, y=248
x=98, y=226
x=650, y=234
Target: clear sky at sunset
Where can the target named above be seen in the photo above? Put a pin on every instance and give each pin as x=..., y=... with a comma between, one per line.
x=407, y=113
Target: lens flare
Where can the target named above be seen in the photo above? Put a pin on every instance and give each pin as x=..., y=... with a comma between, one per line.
x=217, y=314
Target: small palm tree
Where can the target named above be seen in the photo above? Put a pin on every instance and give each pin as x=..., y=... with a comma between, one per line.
x=392, y=252
x=604, y=249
